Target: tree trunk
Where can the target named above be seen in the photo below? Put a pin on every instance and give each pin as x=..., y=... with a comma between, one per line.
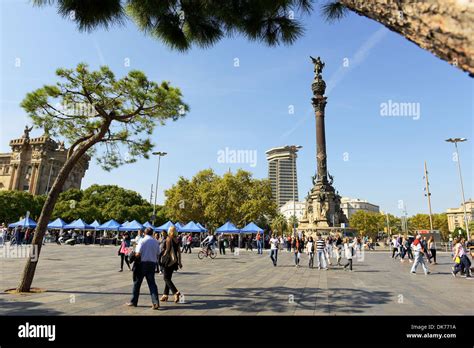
x=443, y=27
x=37, y=242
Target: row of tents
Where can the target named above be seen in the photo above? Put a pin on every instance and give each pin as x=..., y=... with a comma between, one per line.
x=112, y=225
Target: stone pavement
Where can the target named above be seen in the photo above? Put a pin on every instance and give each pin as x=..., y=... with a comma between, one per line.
x=83, y=280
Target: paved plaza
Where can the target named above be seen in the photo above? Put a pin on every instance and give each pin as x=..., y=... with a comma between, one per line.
x=84, y=280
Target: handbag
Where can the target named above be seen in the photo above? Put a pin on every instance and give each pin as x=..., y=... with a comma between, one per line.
x=458, y=260
x=169, y=259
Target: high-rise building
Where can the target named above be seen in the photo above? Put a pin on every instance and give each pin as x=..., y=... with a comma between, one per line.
x=282, y=173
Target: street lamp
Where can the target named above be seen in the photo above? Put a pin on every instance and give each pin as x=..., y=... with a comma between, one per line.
x=159, y=154
x=50, y=172
x=294, y=149
x=455, y=141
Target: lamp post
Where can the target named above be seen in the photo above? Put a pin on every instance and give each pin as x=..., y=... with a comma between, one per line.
x=49, y=176
x=294, y=149
x=159, y=154
x=455, y=141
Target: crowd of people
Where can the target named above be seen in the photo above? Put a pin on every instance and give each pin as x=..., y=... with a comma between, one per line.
x=419, y=249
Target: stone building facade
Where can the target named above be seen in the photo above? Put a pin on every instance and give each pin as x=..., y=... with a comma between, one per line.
x=34, y=164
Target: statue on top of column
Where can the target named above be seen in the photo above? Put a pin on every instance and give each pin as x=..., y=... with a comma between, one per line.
x=26, y=132
x=318, y=65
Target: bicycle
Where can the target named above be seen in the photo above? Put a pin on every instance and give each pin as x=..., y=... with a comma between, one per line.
x=205, y=252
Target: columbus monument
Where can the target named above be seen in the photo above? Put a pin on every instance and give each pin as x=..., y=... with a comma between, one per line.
x=323, y=203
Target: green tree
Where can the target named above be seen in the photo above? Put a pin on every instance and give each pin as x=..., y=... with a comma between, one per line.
x=15, y=204
x=368, y=223
x=443, y=27
x=280, y=225
x=419, y=222
x=100, y=115
x=213, y=200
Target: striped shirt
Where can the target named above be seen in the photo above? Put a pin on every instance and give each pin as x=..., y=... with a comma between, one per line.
x=320, y=244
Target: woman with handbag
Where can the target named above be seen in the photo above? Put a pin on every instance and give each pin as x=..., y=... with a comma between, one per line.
x=124, y=251
x=171, y=260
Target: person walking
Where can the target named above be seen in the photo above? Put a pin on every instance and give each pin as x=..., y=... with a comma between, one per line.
x=432, y=249
x=462, y=262
x=147, y=252
x=419, y=256
x=259, y=243
x=288, y=243
x=231, y=243
x=220, y=241
x=124, y=250
x=189, y=242
x=162, y=241
x=349, y=253
x=320, y=245
x=296, y=251
x=395, y=252
x=310, y=251
x=274, y=242
x=328, y=250
x=339, y=246
x=171, y=260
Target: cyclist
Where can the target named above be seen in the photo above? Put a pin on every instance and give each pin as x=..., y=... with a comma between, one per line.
x=209, y=242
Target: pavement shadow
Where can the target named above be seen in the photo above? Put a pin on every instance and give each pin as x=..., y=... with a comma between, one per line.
x=25, y=308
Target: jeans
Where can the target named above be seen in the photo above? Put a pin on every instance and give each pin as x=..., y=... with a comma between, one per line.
x=321, y=258
x=297, y=258
x=311, y=260
x=144, y=270
x=464, y=265
x=419, y=259
x=167, y=274
x=274, y=256
x=259, y=247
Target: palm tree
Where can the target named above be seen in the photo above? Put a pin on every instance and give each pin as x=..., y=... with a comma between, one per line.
x=279, y=224
x=443, y=27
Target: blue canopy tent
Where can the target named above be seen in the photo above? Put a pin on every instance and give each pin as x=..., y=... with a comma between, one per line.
x=57, y=224
x=251, y=228
x=79, y=224
x=110, y=225
x=178, y=226
x=202, y=227
x=25, y=223
x=131, y=226
x=95, y=224
x=147, y=224
x=165, y=226
x=229, y=227
x=191, y=227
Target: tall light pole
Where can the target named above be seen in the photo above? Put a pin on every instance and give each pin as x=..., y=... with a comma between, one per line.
x=49, y=176
x=159, y=154
x=428, y=194
x=294, y=149
x=456, y=141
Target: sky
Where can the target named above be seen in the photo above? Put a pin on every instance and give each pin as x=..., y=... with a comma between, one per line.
x=248, y=96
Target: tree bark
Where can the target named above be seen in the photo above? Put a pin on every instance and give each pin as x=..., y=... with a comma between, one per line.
x=37, y=242
x=443, y=27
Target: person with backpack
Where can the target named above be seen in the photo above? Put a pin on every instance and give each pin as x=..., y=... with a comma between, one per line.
x=349, y=252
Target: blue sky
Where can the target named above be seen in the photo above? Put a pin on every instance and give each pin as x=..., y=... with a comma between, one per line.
x=247, y=107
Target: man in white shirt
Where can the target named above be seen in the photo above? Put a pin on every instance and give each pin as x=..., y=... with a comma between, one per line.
x=148, y=251
x=274, y=249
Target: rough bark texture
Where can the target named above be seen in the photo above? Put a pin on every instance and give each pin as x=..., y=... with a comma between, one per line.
x=30, y=267
x=443, y=27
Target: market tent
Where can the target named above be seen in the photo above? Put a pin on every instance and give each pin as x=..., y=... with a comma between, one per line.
x=26, y=223
x=251, y=228
x=165, y=226
x=79, y=224
x=125, y=224
x=147, y=224
x=110, y=225
x=202, y=227
x=131, y=226
x=190, y=227
x=95, y=224
x=178, y=226
x=57, y=224
x=228, y=227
